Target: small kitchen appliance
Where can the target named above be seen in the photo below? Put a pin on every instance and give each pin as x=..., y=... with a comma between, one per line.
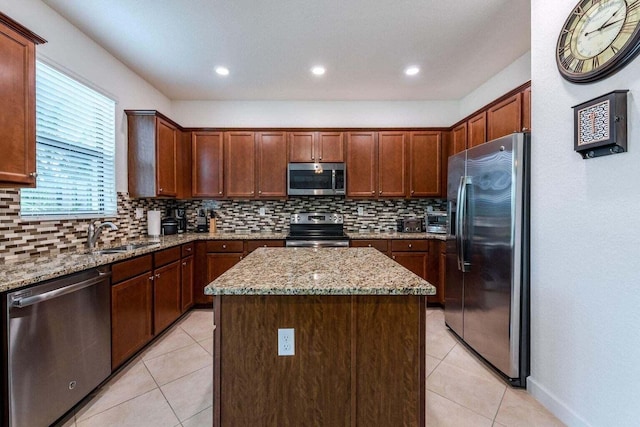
x=202, y=223
x=317, y=230
x=180, y=215
x=436, y=222
x=169, y=226
x=410, y=225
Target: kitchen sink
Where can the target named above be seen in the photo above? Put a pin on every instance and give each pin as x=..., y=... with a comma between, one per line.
x=123, y=248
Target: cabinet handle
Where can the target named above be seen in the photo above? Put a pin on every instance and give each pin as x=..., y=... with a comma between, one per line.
x=264, y=246
x=33, y=174
x=394, y=257
x=412, y=191
x=252, y=192
x=220, y=192
x=373, y=191
x=240, y=257
x=224, y=246
x=188, y=249
x=184, y=263
x=409, y=245
x=151, y=278
x=319, y=158
x=380, y=192
x=160, y=190
x=369, y=245
x=260, y=192
x=524, y=129
x=157, y=275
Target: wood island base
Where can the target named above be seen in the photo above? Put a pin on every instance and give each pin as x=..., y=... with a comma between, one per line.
x=359, y=360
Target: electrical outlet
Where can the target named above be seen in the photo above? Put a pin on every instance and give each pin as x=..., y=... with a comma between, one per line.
x=139, y=213
x=360, y=210
x=262, y=211
x=286, y=342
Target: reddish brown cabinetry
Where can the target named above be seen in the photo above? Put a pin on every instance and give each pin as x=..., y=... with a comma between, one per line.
x=316, y=147
x=271, y=164
x=477, y=129
x=526, y=109
x=187, y=271
x=156, y=155
x=436, y=270
x=239, y=164
x=207, y=176
x=412, y=255
x=167, y=289
x=362, y=164
x=18, y=96
x=392, y=164
x=381, y=245
x=222, y=255
x=505, y=117
x=131, y=307
x=459, y=138
x=425, y=161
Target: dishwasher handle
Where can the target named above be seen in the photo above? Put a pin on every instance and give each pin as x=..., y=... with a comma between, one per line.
x=27, y=301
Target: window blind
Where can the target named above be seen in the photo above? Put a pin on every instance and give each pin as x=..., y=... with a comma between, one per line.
x=75, y=150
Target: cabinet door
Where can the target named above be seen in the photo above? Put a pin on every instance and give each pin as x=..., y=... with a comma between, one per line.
x=392, y=164
x=425, y=170
x=330, y=147
x=301, y=145
x=459, y=138
x=526, y=109
x=362, y=164
x=272, y=164
x=219, y=263
x=187, y=283
x=18, y=113
x=207, y=161
x=239, y=165
x=505, y=117
x=166, y=158
x=415, y=262
x=131, y=308
x=477, y=128
x=167, y=291
x=379, y=244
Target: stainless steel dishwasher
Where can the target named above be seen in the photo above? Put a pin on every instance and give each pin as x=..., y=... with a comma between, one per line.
x=59, y=345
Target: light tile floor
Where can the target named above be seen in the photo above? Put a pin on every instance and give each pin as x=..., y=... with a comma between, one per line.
x=170, y=384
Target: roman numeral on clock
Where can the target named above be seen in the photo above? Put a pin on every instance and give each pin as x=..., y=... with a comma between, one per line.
x=595, y=63
x=567, y=60
x=629, y=27
x=633, y=6
x=579, y=66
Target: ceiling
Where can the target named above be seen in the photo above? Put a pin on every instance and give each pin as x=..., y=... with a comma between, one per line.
x=270, y=46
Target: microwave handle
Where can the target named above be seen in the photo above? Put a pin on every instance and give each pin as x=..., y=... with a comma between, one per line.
x=333, y=180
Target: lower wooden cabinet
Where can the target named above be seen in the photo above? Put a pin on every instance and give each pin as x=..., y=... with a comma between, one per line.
x=131, y=308
x=218, y=263
x=167, y=292
x=380, y=244
x=187, y=267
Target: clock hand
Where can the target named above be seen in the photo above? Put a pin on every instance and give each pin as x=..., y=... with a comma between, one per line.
x=606, y=23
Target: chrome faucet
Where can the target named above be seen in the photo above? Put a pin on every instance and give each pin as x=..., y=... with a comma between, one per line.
x=94, y=231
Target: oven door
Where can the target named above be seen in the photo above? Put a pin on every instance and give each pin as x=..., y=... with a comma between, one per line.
x=315, y=179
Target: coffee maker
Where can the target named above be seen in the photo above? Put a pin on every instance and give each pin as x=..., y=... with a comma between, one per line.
x=180, y=215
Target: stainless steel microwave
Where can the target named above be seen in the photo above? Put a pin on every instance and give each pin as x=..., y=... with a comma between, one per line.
x=316, y=179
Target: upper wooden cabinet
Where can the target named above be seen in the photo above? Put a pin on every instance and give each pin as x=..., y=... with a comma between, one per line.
x=459, y=138
x=18, y=108
x=526, y=109
x=477, y=129
x=271, y=164
x=392, y=164
x=425, y=164
x=239, y=164
x=207, y=177
x=505, y=117
x=316, y=147
x=362, y=164
x=156, y=155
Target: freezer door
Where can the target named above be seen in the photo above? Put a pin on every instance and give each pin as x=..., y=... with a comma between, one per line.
x=491, y=305
x=454, y=284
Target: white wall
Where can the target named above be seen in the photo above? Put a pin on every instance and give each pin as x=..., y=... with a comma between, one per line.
x=585, y=247
x=315, y=113
x=516, y=74
x=75, y=53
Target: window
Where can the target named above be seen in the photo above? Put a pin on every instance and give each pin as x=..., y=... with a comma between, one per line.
x=75, y=150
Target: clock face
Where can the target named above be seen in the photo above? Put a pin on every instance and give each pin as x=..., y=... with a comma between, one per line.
x=598, y=38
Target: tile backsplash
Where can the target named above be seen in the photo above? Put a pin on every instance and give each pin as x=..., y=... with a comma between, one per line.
x=21, y=239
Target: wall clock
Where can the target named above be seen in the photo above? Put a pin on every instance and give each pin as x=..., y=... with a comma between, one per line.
x=598, y=39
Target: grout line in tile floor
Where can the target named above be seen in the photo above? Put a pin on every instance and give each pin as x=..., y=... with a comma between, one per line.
x=455, y=405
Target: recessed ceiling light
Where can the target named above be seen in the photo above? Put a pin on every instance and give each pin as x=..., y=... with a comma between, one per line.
x=222, y=71
x=318, y=70
x=412, y=71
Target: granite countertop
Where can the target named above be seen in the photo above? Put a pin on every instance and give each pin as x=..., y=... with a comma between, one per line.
x=313, y=271
x=394, y=235
x=20, y=273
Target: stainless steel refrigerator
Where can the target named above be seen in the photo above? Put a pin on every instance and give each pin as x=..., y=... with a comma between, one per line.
x=487, y=280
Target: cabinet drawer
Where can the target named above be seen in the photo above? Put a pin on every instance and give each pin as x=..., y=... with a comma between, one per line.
x=224, y=246
x=381, y=245
x=166, y=256
x=413, y=245
x=252, y=245
x=187, y=249
x=130, y=268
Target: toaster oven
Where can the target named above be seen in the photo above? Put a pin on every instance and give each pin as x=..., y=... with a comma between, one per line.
x=436, y=222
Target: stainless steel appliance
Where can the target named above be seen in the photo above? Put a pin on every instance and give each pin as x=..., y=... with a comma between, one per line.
x=181, y=216
x=317, y=230
x=316, y=179
x=487, y=285
x=410, y=225
x=58, y=343
x=436, y=222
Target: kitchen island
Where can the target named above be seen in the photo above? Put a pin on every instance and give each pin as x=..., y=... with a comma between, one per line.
x=359, y=340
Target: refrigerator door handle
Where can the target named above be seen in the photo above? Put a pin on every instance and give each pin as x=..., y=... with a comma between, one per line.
x=459, y=222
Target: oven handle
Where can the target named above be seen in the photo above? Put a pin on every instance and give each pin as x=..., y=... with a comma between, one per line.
x=27, y=301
